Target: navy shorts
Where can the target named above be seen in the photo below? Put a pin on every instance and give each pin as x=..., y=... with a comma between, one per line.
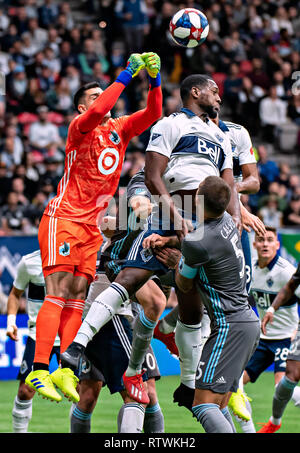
x=267, y=353
x=109, y=353
x=28, y=356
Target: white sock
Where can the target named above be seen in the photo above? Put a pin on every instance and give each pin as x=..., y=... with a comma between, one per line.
x=21, y=415
x=101, y=311
x=247, y=427
x=188, y=341
x=241, y=383
x=131, y=418
x=275, y=421
x=296, y=396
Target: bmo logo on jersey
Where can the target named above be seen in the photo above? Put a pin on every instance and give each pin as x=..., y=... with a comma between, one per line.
x=108, y=161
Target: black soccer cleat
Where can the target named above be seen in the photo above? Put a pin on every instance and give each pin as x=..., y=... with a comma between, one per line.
x=72, y=356
x=184, y=396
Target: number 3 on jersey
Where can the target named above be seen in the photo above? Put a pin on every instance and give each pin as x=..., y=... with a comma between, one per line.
x=239, y=253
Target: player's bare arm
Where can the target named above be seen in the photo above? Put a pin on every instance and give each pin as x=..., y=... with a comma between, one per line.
x=95, y=104
x=156, y=241
x=252, y=222
x=250, y=183
x=13, y=304
x=155, y=165
x=281, y=299
x=234, y=204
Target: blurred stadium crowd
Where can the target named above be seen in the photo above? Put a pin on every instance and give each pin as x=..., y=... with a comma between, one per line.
x=49, y=48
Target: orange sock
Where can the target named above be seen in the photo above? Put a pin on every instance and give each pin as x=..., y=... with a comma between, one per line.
x=47, y=324
x=70, y=322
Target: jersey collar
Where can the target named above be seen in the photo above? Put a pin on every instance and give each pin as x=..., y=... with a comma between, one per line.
x=190, y=114
x=223, y=126
x=271, y=263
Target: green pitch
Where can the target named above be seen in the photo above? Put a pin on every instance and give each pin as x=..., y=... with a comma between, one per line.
x=51, y=417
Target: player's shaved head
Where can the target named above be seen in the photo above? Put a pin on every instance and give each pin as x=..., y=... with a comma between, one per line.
x=80, y=93
x=216, y=195
x=194, y=80
x=200, y=93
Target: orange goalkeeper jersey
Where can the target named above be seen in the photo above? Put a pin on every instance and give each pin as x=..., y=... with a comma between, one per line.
x=94, y=159
x=92, y=171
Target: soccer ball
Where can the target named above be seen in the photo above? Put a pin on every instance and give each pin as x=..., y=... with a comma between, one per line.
x=189, y=27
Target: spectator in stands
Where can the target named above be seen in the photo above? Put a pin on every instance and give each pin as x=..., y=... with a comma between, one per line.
x=18, y=187
x=72, y=75
x=47, y=13
x=268, y=169
x=293, y=110
x=270, y=214
x=39, y=36
x=88, y=57
x=232, y=85
x=12, y=214
x=29, y=49
x=258, y=75
x=272, y=112
x=98, y=76
x=292, y=213
x=17, y=84
x=4, y=22
x=134, y=19
x=5, y=183
x=59, y=99
x=44, y=138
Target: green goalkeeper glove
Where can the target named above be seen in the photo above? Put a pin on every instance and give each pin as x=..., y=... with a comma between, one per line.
x=152, y=62
x=134, y=64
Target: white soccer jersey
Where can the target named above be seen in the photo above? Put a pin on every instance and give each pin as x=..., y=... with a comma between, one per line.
x=30, y=275
x=241, y=145
x=196, y=149
x=266, y=284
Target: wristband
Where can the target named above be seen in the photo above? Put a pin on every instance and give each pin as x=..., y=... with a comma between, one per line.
x=11, y=321
x=271, y=310
x=124, y=77
x=155, y=82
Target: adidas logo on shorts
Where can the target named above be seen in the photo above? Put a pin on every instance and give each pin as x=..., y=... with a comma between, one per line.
x=221, y=380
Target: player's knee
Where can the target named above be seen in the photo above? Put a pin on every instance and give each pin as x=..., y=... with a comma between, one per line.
x=128, y=279
x=293, y=371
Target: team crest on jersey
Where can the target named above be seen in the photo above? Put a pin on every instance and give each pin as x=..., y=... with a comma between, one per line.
x=155, y=137
x=221, y=139
x=23, y=367
x=114, y=137
x=270, y=282
x=146, y=255
x=64, y=250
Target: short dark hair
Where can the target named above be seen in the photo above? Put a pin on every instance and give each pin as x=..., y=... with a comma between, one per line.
x=80, y=92
x=216, y=194
x=200, y=80
x=268, y=228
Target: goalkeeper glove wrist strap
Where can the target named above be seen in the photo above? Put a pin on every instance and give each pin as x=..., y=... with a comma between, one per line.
x=155, y=82
x=124, y=77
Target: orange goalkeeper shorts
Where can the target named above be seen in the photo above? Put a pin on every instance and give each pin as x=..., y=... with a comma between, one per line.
x=68, y=246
